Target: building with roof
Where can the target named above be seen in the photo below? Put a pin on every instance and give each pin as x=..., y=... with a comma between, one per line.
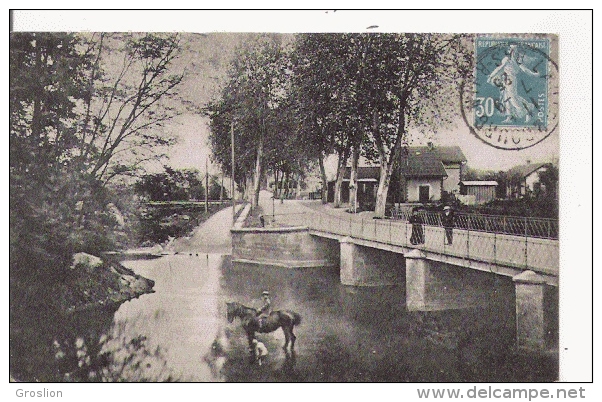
x=367, y=183
x=524, y=179
x=424, y=174
x=453, y=161
x=477, y=191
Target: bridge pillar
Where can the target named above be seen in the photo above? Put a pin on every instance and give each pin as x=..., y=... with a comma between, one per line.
x=533, y=316
x=366, y=266
x=433, y=285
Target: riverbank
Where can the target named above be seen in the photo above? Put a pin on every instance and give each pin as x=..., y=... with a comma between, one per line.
x=94, y=286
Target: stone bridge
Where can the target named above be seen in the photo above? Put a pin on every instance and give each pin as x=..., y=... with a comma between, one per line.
x=436, y=275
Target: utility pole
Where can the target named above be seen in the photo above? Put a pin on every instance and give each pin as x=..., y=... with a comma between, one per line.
x=232, y=176
x=221, y=191
x=206, y=186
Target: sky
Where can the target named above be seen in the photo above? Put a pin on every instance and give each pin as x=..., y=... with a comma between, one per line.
x=207, y=58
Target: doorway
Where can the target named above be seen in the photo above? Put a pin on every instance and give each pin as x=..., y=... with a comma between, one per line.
x=424, y=193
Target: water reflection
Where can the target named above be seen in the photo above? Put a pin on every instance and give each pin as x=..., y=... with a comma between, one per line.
x=180, y=333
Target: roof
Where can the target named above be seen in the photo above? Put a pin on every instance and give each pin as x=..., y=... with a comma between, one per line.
x=479, y=183
x=451, y=154
x=526, y=170
x=364, y=173
x=422, y=164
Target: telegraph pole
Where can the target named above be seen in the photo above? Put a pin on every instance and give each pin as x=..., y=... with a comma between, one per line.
x=232, y=176
x=206, y=187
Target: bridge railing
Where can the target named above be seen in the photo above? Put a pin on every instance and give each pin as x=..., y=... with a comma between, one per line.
x=512, y=225
x=538, y=254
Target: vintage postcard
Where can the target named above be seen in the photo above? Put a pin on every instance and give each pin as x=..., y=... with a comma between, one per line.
x=272, y=203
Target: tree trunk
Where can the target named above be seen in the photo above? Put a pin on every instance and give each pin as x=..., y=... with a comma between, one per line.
x=324, y=182
x=276, y=182
x=339, y=185
x=298, y=195
x=246, y=191
x=221, y=190
x=288, y=184
x=383, y=189
x=386, y=165
x=257, y=178
x=355, y=155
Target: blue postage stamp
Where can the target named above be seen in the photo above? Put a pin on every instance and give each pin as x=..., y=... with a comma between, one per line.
x=511, y=82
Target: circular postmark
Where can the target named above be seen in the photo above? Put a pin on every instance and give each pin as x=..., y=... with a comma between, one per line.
x=513, y=101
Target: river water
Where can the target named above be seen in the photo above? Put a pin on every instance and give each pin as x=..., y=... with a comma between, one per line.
x=180, y=332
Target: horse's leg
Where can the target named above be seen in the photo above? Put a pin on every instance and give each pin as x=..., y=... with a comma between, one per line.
x=287, y=336
x=250, y=337
x=293, y=338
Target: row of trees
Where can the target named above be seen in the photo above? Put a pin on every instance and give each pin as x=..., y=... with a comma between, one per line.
x=292, y=102
x=179, y=185
x=84, y=109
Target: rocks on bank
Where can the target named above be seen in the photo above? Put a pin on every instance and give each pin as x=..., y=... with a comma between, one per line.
x=95, y=282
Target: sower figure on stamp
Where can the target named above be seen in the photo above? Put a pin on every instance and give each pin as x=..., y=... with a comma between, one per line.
x=448, y=223
x=265, y=309
x=506, y=78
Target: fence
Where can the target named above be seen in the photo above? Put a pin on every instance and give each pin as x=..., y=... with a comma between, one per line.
x=511, y=225
x=526, y=252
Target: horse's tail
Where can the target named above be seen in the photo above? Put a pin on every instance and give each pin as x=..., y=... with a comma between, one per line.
x=296, y=318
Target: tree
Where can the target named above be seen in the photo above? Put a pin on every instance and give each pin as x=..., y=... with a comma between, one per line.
x=325, y=86
x=51, y=206
x=76, y=116
x=412, y=85
x=249, y=104
x=132, y=93
x=171, y=185
x=548, y=178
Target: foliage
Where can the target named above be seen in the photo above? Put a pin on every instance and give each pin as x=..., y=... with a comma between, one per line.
x=251, y=105
x=548, y=179
x=76, y=116
x=158, y=223
x=325, y=91
x=132, y=95
x=531, y=207
x=364, y=92
x=171, y=185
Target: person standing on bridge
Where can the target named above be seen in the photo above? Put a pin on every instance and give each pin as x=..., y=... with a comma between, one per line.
x=416, y=220
x=448, y=223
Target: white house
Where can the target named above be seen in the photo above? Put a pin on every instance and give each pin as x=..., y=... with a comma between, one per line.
x=429, y=171
x=528, y=175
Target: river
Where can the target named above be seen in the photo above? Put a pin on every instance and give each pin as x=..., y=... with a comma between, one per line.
x=347, y=334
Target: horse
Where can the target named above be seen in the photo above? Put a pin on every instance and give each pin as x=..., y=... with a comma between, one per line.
x=285, y=319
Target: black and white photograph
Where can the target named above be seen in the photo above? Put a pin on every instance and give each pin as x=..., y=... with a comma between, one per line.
x=381, y=202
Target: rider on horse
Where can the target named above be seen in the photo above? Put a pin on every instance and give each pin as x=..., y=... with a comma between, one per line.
x=265, y=310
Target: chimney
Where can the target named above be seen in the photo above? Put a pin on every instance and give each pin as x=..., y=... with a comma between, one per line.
x=430, y=145
x=528, y=161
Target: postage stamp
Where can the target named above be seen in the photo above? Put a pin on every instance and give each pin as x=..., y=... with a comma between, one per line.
x=514, y=101
x=511, y=82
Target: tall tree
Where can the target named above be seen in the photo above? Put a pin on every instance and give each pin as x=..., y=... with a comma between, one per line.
x=325, y=86
x=48, y=221
x=412, y=85
x=132, y=94
x=251, y=99
x=78, y=111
